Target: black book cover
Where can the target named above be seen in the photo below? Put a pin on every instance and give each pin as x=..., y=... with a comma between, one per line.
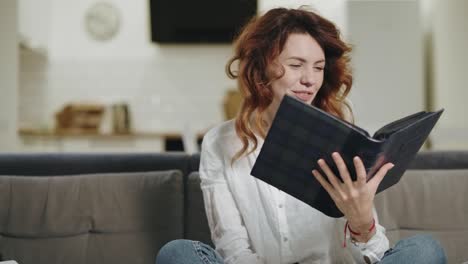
x=301, y=134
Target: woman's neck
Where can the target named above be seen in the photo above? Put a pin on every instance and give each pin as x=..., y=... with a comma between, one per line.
x=269, y=115
x=266, y=120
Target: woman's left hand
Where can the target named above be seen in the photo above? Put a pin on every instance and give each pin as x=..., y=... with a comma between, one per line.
x=355, y=199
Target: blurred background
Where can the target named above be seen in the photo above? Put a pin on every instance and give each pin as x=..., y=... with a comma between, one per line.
x=149, y=76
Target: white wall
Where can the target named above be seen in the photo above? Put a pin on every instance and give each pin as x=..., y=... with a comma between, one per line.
x=335, y=10
x=34, y=23
x=8, y=74
x=69, y=40
x=170, y=86
x=167, y=86
x=387, y=39
x=450, y=40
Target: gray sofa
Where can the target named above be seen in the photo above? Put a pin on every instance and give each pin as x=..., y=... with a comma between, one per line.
x=121, y=208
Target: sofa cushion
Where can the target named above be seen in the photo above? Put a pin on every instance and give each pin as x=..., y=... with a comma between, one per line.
x=196, y=222
x=93, y=218
x=428, y=201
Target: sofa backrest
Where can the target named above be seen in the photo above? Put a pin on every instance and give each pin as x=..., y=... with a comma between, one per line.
x=195, y=162
x=90, y=218
x=49, y=164
x=440, y=160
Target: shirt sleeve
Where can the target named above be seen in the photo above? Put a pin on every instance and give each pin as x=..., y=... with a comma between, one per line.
x=227, y=229
x=373, y=250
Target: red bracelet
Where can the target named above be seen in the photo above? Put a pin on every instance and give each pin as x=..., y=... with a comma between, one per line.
x=347, y=227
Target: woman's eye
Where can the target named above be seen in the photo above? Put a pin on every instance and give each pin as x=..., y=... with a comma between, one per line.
x=318, y=68
x=295, y=65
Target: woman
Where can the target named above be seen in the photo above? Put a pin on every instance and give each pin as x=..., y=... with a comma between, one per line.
x=298, y=53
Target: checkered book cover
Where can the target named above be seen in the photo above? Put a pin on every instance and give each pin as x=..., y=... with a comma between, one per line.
x=301, y=134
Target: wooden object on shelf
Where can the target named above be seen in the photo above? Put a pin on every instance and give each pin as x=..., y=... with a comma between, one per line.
x=121, y=119
x=232, y=103
x=79, y=118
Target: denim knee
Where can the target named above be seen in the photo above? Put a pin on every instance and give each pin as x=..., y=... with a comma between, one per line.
x=433, y=249
x=426, y=247
x=169, y=252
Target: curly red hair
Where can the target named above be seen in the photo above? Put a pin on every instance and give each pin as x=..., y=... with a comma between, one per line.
x=259, y=45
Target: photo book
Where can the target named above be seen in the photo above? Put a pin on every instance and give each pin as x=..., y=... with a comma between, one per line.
x=301, y=134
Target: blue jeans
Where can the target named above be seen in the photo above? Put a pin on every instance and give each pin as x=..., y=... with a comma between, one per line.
x=416, y=249
x=187, y=252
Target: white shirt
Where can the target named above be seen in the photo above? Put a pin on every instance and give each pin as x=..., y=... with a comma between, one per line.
x=253, y=222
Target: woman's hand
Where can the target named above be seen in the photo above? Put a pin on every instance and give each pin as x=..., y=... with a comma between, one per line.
x=355, y=199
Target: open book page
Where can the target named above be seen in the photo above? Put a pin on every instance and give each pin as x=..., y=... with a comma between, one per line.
x=399, y=124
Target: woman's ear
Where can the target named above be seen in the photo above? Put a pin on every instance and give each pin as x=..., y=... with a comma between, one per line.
x=275, y=70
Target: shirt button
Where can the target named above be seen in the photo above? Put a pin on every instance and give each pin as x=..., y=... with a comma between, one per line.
x=285, y=239
x=280, y=206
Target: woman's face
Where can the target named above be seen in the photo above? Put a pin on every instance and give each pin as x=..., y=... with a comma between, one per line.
x=303, y=61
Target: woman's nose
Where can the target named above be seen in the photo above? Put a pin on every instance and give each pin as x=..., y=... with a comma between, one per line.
x=308, y=78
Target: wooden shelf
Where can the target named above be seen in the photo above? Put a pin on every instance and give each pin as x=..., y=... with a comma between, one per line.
x=28, y=132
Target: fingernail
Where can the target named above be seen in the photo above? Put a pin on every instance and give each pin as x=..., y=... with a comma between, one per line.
x=391, y=166
x=314, y=172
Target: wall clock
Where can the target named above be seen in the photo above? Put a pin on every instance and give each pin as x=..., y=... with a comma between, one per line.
x=102, y=21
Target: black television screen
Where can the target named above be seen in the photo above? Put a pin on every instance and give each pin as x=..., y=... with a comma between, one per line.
x=202, y=21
